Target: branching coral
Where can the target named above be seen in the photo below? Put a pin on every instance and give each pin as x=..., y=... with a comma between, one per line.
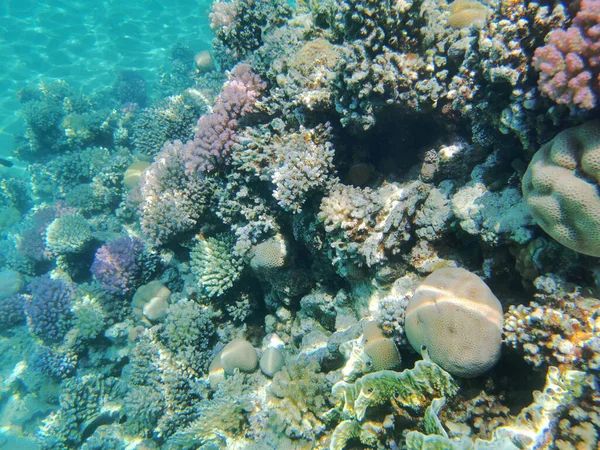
x=217, y=132
x=171, y=203
x=214, y=265
x=122, y=265
x=558, y=328
x=48, y=308
x=239, y=26
x=363, y=224
x=569, y=64
x=168, y=120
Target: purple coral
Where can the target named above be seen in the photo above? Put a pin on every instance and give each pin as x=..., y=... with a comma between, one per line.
x=32, y=241
x=121, y=266
x=569, y=63
x=11, y=311
x=48, y=308
x=216, y=132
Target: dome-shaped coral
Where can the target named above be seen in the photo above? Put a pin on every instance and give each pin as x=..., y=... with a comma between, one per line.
x=561, y=187
x=239, y=354
x=150, y=302
x=382, y=351
x=270, y=254
x=455, y=315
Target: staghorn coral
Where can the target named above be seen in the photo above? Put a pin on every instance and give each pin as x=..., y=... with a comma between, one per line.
x=214, y=265
x=558, y=328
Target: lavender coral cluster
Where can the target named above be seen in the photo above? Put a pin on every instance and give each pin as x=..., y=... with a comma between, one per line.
x=122, y=265
x=48, y=308
x=217, y=131
x=569, y=63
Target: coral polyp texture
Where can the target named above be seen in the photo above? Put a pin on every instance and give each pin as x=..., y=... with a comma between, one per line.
x=455, y=316
x=561, y=188
x=310, y=224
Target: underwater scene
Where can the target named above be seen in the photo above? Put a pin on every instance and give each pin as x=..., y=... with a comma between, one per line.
x=320, y=224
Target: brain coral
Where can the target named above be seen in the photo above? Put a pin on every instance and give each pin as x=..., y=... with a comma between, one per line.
x=382, y=352
x=239, y=354
x=270, y=254
x=561, y=188
x=458, y=319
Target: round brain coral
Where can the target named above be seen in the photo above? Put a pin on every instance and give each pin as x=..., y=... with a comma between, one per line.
x=239, y=354
x=561, y=187
x=455, y=315
x=382, y=351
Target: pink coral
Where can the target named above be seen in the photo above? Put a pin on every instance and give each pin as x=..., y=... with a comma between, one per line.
x=216, y=132
x=569, y=63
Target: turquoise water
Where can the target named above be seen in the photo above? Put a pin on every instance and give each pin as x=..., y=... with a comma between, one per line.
x=87, y=44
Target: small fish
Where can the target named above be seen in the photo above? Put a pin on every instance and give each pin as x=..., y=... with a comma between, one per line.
x=6, y=162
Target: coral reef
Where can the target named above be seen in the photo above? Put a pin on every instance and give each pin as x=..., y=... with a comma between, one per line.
x=122, y=265
x=251, y=245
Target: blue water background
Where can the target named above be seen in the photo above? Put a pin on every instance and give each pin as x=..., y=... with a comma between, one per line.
x=87, y=43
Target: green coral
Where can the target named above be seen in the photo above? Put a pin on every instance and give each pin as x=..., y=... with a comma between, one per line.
x=88, y=317
x=219, y=419
x=214, y=264
x=299, y=398
x=411, y=389
x=533, y=426
x=187, y=332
